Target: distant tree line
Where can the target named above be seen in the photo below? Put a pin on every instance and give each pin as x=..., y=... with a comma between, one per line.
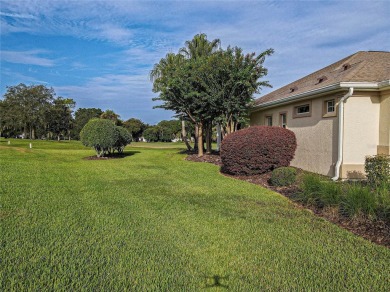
x=206, y=85
x=34, y=112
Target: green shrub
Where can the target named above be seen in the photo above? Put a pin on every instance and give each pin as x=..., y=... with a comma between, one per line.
x=319, y=191
x=358, y=200
x=383, y=196
x=124, y=138
x=377, y=168
x=283, y=176
x=101, y=134
x=353, y=199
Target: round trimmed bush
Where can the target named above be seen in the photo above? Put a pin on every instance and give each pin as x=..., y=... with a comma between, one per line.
x=124, y=138
x=101, y=134
x=257, y=150
x=283, y=176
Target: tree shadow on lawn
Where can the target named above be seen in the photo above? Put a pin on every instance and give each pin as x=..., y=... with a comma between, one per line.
x=113, y=156
x=215, y=281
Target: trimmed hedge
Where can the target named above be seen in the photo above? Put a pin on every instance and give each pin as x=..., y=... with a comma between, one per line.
x=104, y=136
x=123, y=139
x=257, y=150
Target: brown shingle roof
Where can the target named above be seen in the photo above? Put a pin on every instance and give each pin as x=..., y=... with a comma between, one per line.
x=359, y=67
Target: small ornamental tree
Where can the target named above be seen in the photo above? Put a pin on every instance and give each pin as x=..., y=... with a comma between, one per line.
x=100, y=134
x=257, y=150
x=124, y=138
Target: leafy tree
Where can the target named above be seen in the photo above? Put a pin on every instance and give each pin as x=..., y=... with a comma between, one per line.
x=135, y=127
x=3, y=118
x=101, y=134
x=60, y=118
x=151, y=134
x=204, y=84
x=231, y=78
x=111, y=115
x=177, y=79
x=27, y=106
x=82, y=116
x=169, y=130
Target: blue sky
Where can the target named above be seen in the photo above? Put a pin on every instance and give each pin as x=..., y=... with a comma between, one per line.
x=100, y=52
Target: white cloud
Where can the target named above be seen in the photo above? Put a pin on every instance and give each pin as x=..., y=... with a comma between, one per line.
x=27, y=57
x=16, y=15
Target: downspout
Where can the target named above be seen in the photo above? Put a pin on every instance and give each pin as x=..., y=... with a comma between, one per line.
x=341, y=133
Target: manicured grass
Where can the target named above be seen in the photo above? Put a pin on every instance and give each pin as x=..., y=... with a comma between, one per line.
x=159, y=145
x=154, y=222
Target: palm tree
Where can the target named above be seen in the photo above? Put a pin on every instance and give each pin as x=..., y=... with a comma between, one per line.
x=163, y=69
x=195, y=49
x=111, y=115
x=199, y=47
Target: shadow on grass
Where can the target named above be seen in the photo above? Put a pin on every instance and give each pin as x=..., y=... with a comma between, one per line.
x=112, y=156
x=215, y=281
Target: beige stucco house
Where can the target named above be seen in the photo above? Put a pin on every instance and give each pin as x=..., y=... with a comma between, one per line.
x=339, y=114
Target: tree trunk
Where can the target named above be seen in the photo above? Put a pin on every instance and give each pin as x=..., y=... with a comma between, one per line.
x=219, y=140
x=209, y=135
x=200, y=139
x=196, y=138
x=184, y=135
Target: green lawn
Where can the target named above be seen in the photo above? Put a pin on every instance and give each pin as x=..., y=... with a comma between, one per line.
x=153, y=221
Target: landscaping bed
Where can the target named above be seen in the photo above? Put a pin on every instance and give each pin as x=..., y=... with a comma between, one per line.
x=376, y=231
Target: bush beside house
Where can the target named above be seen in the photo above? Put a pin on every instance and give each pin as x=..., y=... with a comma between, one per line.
x=257, y=150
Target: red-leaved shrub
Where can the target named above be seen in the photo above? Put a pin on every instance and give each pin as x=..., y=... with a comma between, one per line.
x=257, y=150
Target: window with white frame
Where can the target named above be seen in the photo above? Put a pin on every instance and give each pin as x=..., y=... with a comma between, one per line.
x=283, y=120
x=330, y=106
x=302, y=110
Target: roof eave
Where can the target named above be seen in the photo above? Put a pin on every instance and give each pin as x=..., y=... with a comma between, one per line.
x=324, y=90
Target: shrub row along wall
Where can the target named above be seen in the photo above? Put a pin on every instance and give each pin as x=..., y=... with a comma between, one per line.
x=257, y=150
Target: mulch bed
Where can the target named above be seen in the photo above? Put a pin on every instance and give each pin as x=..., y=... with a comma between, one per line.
x=115, y=156
x=375, y=231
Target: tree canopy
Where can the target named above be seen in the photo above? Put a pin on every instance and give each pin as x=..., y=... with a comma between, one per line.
x=81, y=118
x=205, y=84
x=135, y=127
x=34, y=110
x=104, y=136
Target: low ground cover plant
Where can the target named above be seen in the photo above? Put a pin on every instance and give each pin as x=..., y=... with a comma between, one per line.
x=284, y=176
x=353, y=199
x=257, y=150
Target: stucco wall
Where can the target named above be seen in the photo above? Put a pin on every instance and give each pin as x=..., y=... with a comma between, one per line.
x=316, y=135
x=384, y=123
x=361, y=132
